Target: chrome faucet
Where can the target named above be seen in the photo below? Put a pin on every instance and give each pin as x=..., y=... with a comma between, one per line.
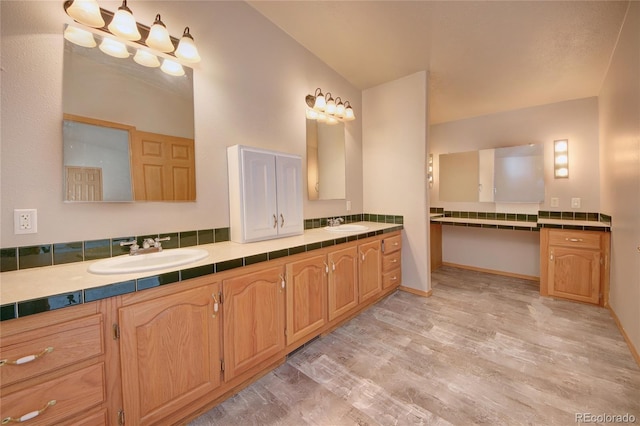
x=336, y=221
x=149, y=245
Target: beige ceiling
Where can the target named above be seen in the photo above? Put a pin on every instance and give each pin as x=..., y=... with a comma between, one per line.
x=483, y=56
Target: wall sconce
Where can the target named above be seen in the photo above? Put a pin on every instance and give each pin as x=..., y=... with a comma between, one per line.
x=325, y=109
x=430, y=171
x=123, y=29
x=561, y=159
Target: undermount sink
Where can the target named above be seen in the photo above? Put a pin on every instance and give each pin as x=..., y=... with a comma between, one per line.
x=148, y=262
x=350, y=227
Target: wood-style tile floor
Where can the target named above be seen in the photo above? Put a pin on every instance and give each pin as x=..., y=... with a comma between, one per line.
x=484, y=349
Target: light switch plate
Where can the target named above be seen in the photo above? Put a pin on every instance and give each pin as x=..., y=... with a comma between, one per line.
x=555, y=202
x=575, y=203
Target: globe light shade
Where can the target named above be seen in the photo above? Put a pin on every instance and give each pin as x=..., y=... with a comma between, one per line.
x=86, y=12
x=124, y=24
x=187, y=50
x=159, y=38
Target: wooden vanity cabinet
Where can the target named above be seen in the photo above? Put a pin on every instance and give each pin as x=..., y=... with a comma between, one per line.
x=254, y=319
x=52, y=367
x=575, y=265
x=343, y=281
x=391, y=261
x=306, y=289
x=170, y=352
x=369, y=270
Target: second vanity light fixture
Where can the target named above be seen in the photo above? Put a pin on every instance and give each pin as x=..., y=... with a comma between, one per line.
x=123, y=26
x=324, y=108
x=561, y=159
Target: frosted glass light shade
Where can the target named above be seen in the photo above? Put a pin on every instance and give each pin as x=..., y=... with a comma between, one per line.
x=321, y=103
x=124, y=24
x=159, y=37
x=86, y=12
x=330, y=108
x=348, y=114
x=114, y=48
x=146, y=59
x=340, y=110
x=172, y=68
x=187, y=50
x=79, y=36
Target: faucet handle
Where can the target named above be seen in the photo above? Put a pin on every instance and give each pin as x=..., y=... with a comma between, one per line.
x=157, y=241
x=133, y=243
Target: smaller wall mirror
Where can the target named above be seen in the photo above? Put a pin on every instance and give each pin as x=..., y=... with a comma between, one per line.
x=326, y=161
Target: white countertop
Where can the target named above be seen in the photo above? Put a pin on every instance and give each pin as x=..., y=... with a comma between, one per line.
x=34, y=283
x=567, y=222
x=485, y=221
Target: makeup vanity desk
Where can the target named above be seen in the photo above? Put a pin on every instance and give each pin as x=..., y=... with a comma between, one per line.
x=574, y=248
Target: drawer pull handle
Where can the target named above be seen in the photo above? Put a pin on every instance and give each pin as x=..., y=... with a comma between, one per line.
x=216, y=305
x=26, y=359
x=394, y=261
x=30, y=415
x=574, y=240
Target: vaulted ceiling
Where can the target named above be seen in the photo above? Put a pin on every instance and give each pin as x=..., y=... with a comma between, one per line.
x=483, y=56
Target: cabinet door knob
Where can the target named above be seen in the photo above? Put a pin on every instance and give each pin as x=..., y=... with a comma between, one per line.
x=275, y=221
x=281, y=221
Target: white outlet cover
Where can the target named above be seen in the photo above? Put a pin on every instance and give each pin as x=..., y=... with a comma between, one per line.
x=25, y=221
x=575, y=203
x=555, y=202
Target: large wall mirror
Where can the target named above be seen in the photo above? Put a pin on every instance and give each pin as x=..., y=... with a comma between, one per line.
x=128, y=129
x=326, y=162
x=502, y=175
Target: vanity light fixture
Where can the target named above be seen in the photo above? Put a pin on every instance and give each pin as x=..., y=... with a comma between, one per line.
x=86, y=12
x=128, y=33
x=430, y=171
x=158, y=37
x=324, y=108
x=124, y=24
x=561, y=159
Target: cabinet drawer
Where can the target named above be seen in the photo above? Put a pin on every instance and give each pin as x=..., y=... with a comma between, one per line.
x=391, y=244
x=43, y=350
x=391, y=261
x=590, y=240
x=392, y=278
x=57, y=399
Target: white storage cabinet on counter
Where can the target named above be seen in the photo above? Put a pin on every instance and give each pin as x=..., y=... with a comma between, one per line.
x=265, y=194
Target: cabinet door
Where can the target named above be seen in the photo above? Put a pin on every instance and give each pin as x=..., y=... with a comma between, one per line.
x=253, y=309
x=370, y=270
x=574, y=274
x=343, y=281
x=306, y=290
x=170, y=353
x=289, y=190
x=258, y=186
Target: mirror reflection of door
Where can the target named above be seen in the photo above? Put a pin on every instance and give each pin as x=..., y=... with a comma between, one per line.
x=91, y=144
x=83, y=183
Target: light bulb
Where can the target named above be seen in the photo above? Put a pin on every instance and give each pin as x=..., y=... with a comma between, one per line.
x=158, y=37
x=146, y=59
x=86, y=12
x=561, y=146
x=124, y=25
x=562, y=172
x=80, y=37
x=562, y=159
x=172, y=68
x=331, y=105
x=187, y=50
x=114, y=48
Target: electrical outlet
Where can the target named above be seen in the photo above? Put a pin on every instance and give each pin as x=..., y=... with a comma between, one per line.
x=575, y=203
x=555, y=202
x=25, y=221
x=348, y=205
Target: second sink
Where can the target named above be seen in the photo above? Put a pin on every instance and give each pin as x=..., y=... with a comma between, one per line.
x=350, y=227
x=148, y=262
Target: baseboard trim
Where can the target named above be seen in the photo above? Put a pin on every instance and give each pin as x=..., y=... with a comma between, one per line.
x=493, y=271
x=416, y=292
x=632, y=348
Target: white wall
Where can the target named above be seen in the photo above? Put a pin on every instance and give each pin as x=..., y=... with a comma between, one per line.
x=249, y=89
x=518, y=251
x=620, y=159
x=395, y=133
